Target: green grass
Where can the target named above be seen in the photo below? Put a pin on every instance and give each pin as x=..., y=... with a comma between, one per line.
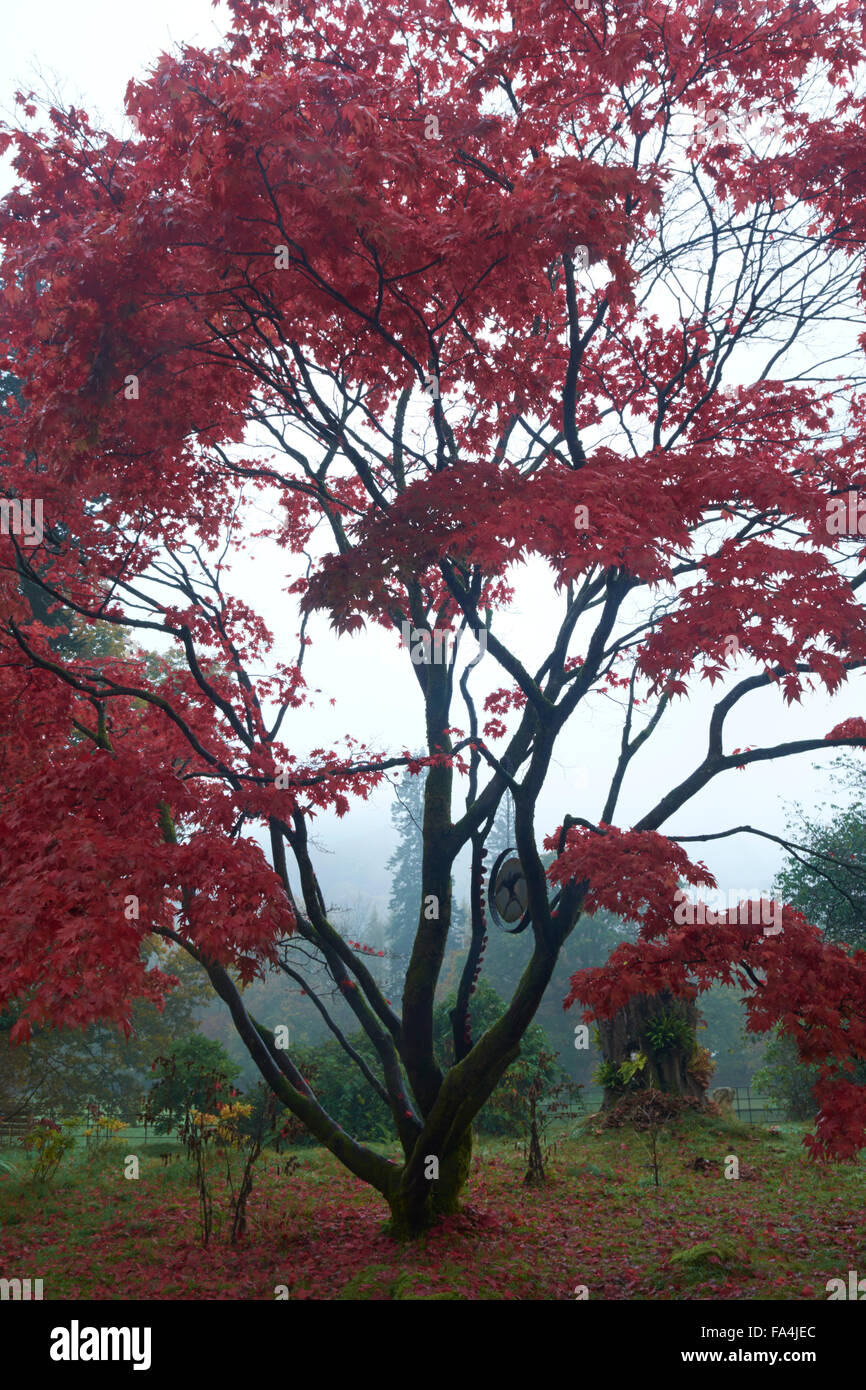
x=780, y=1231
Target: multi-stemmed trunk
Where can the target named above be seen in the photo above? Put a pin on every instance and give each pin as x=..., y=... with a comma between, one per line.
x=417, y=1204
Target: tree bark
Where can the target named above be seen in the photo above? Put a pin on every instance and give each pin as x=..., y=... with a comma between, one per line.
x=419, y=1201
x=666, y=1069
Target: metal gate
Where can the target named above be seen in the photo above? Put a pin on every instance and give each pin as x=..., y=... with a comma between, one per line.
x=756, y=1110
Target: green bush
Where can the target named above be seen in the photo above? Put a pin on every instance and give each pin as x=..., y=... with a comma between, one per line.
x=505, y=1112
x=196, y=1072
x=788, y=1081
x=669, y=1030
x=351, y=1102
x=623, y=1076
x=341, y=1088
x=49, y=1143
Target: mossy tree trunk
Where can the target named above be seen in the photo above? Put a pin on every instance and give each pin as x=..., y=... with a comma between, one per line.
x=420, y=1200
x=667, y=1068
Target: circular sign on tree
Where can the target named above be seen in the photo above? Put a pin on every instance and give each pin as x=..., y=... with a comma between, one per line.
x=507, y=894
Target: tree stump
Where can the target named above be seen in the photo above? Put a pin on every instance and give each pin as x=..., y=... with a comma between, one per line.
x=666, y=1069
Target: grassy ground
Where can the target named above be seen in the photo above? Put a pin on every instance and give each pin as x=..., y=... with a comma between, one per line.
x=780, y=1231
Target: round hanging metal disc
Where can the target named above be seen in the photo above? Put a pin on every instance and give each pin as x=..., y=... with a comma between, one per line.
x=507, y=894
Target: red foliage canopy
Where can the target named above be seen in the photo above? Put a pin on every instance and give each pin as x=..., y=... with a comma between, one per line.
x=814, y=990
x=355, y=228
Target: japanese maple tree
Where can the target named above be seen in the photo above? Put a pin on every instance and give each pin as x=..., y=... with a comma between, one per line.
x=492, y=283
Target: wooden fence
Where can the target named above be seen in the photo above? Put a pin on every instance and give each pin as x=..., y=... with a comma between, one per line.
x=14, y=1128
